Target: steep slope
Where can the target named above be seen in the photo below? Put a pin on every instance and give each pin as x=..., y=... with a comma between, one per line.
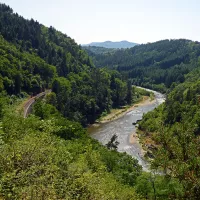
x=51, y=45
x=175, y=129
x=93, y=50
x=49, y=154
x=22, y=71
x=34, y=57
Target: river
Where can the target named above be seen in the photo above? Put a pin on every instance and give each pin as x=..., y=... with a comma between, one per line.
x=124, y=128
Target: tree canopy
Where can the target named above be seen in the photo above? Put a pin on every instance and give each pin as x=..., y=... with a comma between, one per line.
x=154, y=65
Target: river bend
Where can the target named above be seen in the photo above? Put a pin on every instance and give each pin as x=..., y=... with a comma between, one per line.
x=123, y=127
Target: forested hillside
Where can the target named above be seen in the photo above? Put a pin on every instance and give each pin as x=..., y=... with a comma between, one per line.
x=49, y=154
x=170, y=132
x=51, y=45
x=155, y=65
x=35, y=58
x=93, y=50
x=174, y=130
x=22, y=71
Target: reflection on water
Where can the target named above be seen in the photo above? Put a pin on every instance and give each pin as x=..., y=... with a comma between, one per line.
x=123, y=128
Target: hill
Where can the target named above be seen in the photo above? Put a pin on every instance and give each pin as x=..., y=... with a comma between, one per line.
x=112, y=45
x=155, y=65
x=173, y=133
x=54, y=47
x=170, y=133
x=35, y=58
x=49, y=155
x=93, y=50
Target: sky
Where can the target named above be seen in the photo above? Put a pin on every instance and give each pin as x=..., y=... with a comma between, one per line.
x=139, y=21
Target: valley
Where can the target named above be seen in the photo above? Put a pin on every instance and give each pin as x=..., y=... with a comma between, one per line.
x=123, y=127
x=48, y=151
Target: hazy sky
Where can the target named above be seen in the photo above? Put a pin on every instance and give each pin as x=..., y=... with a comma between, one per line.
x=138, y=21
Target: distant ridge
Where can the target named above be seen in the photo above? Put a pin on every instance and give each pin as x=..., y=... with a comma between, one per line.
x=113, y=45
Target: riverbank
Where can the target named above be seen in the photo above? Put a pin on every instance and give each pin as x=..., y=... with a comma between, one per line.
x=123, y=127
x=120, y=112
x=133, y=139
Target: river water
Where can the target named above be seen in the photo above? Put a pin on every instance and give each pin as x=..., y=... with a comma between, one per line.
x=124, y=128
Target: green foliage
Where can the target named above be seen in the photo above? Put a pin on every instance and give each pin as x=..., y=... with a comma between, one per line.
x=45, y=111
x=36, y=164
x=51, y=99
x=113, y=143
x=83, y=97
x=34, y=58
x=152, y=186
x=129, y=96
x=124, y=168
x=3, y=102
x=49, y=155
x=51, y=45
x=92, y=50
x=175, y=127
x=22, y=70
x=155, y=65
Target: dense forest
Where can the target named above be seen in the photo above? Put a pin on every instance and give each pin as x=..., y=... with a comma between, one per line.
x=174, y=129
x=170, y=133
x=35, y=58
x=93, y=50
x=49, y=155
x=155, y=65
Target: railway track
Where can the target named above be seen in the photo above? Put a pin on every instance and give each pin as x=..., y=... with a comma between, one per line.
x=31, y=101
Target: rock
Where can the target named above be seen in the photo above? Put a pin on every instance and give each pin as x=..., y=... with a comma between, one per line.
x=149, y=154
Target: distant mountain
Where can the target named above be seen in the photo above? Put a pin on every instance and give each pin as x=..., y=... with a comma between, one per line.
x=113, y=45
